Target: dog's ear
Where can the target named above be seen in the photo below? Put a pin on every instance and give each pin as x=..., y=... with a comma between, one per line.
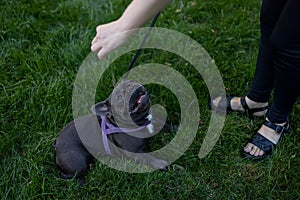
x=102, y=108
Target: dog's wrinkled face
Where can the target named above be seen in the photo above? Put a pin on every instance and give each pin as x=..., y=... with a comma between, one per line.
x=129, y=101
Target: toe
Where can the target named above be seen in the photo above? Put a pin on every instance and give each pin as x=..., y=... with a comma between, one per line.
x=248, y=148
x=257, y=152
x=253, y=150
x=261, y=153
x=216, y=101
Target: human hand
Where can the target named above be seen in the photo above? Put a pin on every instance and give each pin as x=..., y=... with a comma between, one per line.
x=112, y=35
x=108, y=37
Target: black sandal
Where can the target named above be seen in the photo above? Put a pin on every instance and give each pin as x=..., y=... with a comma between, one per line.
x=263, y=143
x=224, y=105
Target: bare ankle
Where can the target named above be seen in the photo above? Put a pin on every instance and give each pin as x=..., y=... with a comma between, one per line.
x=254, y=104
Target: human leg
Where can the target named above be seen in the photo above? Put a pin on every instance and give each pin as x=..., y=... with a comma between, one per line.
x=285, y=44
x=263, y=81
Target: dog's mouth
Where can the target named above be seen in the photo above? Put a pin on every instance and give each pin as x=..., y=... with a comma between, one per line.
x=141, y=103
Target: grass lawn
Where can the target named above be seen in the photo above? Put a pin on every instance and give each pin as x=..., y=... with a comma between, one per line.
x=43, y=44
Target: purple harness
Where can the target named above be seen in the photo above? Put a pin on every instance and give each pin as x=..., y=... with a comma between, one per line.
x=108, y=128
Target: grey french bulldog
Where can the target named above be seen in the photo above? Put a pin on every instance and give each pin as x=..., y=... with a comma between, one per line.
x=124, y=118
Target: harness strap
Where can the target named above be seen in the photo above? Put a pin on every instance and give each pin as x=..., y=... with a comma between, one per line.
x=108, y=128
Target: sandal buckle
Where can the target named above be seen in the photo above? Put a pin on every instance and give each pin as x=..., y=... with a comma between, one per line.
x=280, y=129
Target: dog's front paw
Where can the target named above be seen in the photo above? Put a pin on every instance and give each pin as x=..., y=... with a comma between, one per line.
x=160, y=164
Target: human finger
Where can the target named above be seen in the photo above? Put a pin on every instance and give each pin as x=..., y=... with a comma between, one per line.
x=96, y=46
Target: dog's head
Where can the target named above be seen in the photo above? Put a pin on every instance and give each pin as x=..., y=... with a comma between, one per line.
x=128, y=102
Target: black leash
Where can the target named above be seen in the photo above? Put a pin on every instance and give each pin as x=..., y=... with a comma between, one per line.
x=138, y=52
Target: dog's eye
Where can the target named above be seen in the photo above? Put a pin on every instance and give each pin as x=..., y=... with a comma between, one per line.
x=120, y=97
x=130, y=89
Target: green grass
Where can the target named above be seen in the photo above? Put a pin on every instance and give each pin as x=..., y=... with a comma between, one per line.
x=43, y=44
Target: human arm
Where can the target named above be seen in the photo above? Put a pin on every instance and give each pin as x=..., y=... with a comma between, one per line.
x=136, y=15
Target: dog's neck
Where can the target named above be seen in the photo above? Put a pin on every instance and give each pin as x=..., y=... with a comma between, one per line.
x=139, y=122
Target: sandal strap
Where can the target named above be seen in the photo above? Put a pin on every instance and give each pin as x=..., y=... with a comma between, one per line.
x=228, y=102
x=251, y=111
x=262, y=143
x=278, y=128
x=244, y=103
x=224, y=104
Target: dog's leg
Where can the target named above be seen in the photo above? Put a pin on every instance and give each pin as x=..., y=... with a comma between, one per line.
x=147, y=158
